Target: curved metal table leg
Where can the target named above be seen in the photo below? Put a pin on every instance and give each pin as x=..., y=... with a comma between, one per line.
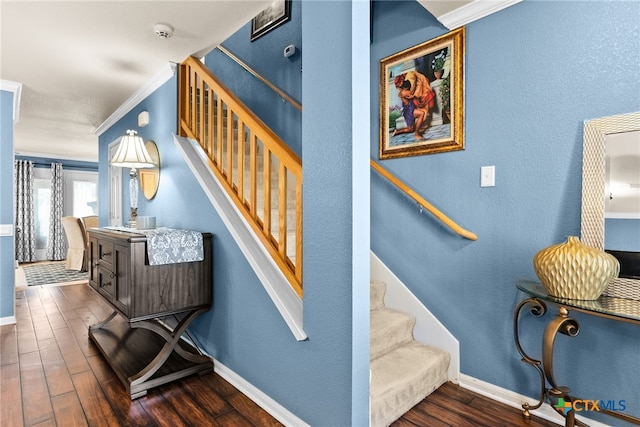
x=566, y=326
x=561, y=324
x=537, y=309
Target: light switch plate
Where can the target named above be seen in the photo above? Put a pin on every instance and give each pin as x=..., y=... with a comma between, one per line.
x=488, y=176
x=6, y=229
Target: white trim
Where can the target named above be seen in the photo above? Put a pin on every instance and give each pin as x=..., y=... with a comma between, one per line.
x=16, y=88
x=622, y=215
x=167, y=72
x=428, y=329
x=261, y=399
x=288, y=303
x=53, y=156
x=9, y=320
x=473, y=11
x=515, y=400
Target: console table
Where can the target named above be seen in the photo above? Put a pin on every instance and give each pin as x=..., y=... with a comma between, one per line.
x=143, y=350
x=618, y=309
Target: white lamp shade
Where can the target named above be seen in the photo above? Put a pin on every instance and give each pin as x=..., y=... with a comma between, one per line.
x=132, y=153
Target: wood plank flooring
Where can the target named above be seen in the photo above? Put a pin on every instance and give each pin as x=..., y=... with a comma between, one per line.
x=454, y=406
x=51, y=374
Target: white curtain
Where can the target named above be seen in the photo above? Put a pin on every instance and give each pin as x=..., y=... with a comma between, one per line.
x=25, y=229
x=56, y=245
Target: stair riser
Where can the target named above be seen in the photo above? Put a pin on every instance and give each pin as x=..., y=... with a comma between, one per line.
x=389, y=330
x=403, y=371
x=377, y=291
x=403, y=378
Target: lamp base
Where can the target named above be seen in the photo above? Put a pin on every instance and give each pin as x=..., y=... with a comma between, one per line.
x=133, y=218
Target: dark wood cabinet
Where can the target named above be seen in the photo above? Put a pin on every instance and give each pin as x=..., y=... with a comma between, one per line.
x=144, y=351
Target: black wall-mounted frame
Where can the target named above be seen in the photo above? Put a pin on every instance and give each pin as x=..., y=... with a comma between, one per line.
x=276, y=14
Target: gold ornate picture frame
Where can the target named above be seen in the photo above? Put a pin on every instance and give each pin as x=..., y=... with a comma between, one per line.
x=421, y=98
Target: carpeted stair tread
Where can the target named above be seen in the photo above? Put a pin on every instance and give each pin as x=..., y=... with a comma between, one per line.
x=389, y=329
x=396, y=389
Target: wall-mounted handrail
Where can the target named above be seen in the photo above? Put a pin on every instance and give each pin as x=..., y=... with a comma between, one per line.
x=282, y=94
x=422, y=202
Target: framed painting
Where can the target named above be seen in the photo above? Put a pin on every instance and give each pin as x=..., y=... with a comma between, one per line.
x=276, y=14
x=421, y=98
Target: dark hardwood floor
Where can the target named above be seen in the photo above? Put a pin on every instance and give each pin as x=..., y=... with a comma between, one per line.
x=454, y=406
x=51, y=374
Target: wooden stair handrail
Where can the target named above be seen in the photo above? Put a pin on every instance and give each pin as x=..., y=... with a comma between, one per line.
x=282, y=151
x=422, y=202
x=226, y=129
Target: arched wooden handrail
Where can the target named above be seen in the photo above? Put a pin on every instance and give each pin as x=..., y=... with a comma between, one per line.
x=422, y=202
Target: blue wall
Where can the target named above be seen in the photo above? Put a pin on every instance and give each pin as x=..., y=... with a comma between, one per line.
x=265, y=56
x=244, y=331
x=162, y=108
x=333, y=170
x=534, y=72
x=618, y=232
x=7, y=254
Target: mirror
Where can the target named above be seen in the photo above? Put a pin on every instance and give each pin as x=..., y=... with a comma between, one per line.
x=621, y=132
x=150, y=177
x=622, y=179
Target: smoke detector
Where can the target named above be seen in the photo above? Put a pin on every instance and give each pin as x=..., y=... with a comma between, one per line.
x=164, y=31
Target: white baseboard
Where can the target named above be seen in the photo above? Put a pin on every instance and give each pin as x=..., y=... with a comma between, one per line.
x=276, y=410
x=516, y=400
x=9, y=320
x=260, y=398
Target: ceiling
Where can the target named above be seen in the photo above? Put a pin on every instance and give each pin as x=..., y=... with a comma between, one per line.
x=79, y=61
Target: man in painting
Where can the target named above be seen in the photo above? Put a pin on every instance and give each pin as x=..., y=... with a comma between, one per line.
x=418, y=101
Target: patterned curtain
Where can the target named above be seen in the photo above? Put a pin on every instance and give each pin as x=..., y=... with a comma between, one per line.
x=56, y=245
x=25, y=229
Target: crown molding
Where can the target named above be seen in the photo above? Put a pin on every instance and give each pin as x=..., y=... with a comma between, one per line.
x=167, y=72
x=473, y=11
x=16, y=88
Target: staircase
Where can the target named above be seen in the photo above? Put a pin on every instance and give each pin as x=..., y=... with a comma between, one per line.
x=255, y=183
x=259, y=172
x=403, y=371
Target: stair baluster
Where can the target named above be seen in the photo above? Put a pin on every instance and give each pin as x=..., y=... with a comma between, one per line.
x=265, y=183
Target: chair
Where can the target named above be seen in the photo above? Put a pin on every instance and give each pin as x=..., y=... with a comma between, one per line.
x=77, y=243
x=89, y=222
